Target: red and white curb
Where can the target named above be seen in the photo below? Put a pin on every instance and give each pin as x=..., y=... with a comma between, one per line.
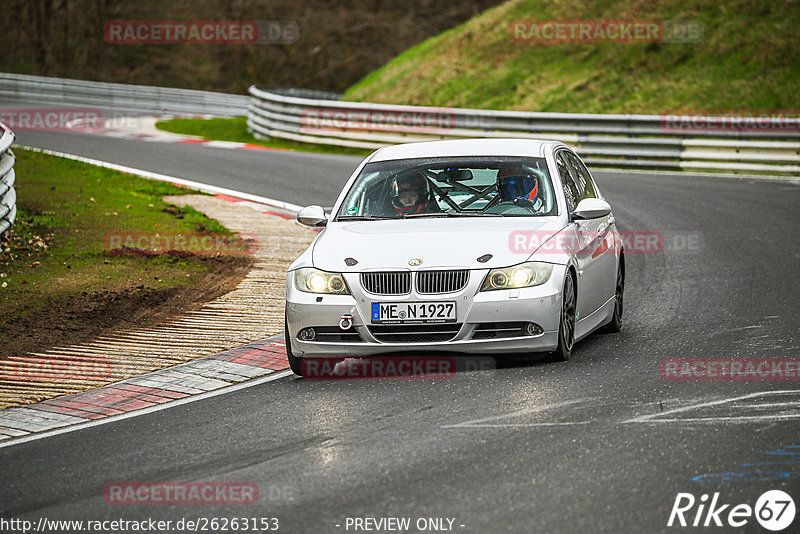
x=143, y=128
x=258, y=206
x=195, y=380
x=217, y=374
x=198, y=376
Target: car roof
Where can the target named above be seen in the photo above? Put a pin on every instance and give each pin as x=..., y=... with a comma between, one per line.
x=465, y=147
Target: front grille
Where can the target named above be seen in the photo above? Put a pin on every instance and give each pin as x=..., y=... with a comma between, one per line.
x=387, y=283
x=499, y=330
x=434, y=282
x=417, y=333
x=334, y=334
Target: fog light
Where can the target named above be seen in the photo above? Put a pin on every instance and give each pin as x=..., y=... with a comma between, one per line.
x=533, y=329
x=306, y=334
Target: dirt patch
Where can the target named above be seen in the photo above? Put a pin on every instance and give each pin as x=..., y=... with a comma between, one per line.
x=85, y=316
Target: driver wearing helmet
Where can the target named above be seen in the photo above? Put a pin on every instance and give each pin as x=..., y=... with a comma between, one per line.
x=411, y=194
x=517, y=184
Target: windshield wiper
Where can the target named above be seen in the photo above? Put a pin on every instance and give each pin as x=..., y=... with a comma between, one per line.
x=452, y=213
x=415, y=215
x=362, y=218
x=471, y=214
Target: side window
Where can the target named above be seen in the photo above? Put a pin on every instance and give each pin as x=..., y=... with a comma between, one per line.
x=583, y=181
x=570, y=191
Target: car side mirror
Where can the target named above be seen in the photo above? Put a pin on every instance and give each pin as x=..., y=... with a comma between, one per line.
x=313, y=216
x=591, y=208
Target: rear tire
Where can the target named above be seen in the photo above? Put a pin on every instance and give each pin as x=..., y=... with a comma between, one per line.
x=566, y=323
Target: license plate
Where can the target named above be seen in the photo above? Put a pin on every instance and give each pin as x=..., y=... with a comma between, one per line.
x=413, y=312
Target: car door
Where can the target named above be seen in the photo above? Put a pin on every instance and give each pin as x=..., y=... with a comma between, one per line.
x=595, y=251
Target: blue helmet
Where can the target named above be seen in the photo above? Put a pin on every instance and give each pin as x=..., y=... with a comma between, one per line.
x=514, y=181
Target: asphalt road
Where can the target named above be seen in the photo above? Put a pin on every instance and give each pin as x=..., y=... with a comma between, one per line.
x=599, y=444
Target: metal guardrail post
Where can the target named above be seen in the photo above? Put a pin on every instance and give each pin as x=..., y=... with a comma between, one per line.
x=8, y=196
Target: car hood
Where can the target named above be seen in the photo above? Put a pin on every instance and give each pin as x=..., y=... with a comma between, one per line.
x=449, y=243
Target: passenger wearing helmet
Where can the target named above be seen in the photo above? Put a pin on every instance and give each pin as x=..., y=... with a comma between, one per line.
x=411, y=194
x=517, y=184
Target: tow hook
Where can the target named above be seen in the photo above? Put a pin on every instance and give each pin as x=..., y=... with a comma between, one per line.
x=346, y=322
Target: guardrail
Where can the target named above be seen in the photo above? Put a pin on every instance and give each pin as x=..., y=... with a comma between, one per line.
x=8, y=196
x=619, y=141
x=121, y=96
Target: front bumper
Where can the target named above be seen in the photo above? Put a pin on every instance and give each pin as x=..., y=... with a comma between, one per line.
x=474, y=309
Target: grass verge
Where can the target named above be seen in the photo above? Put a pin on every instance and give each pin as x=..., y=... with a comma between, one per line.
x=746, y=60
x=235, y=129
x=60, y=284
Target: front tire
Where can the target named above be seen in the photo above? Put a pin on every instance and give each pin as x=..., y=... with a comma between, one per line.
x=566, y=326
x=294, y=361
x=616, y=320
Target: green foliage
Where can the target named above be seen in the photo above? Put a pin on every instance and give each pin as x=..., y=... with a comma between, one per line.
x=66, y=210
x=747, y=59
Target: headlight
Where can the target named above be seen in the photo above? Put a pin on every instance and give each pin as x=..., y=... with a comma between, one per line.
x=313, y=280
x=529, y=274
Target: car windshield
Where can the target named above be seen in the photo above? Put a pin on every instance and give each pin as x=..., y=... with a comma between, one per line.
x=450, y=187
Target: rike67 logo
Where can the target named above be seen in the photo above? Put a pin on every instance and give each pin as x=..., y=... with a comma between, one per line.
x=774, y=510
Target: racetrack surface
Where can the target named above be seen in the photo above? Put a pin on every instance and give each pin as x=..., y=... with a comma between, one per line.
x=601, y=443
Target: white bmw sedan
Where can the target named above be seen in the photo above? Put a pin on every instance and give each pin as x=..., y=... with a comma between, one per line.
x=470, y=246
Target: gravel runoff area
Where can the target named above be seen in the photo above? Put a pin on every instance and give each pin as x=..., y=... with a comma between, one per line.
x=251, y=312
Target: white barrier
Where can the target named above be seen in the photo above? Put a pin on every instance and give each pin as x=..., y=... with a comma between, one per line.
x=710, y=143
